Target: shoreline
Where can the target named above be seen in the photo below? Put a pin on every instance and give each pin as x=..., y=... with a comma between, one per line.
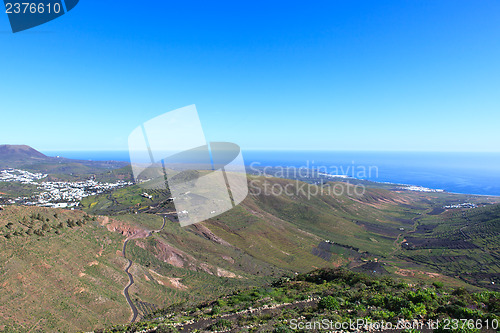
x=348, y=177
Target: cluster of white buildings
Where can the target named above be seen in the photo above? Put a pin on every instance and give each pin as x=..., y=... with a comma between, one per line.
x=327, y=175
x=420, y=189
x=22, y=176
x=56, y=194
x=462, y=205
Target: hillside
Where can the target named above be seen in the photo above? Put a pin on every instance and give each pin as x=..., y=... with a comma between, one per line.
x=28, y=158
x=64, y=270
x=297, y=233
x=62, y=264
x=330, y=300
x=11, y=155
x=60, y=270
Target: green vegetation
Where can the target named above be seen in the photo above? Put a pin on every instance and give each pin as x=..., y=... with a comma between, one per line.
x=128, y=200
x=335, y=295
x=22, y=222
x=62, y=274
x=462, y=243
x=62, y=264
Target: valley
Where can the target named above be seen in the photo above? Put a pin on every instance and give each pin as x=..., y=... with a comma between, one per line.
x=121, y=255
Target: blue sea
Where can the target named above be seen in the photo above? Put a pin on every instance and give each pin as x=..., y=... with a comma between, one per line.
x=470, y=173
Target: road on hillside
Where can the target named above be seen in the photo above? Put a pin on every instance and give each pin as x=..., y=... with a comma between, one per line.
x=135, y=313
x=131, y=282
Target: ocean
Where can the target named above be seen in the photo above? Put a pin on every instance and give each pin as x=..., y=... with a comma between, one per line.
x=469, y=173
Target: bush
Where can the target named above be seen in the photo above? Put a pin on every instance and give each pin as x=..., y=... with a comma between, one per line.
x=329, y=303
x=422, y=296
x=215, y=310
x=382, y=314
x=221, y=303
x=406, y=313
x=460, y=292
x=282, y=329
x=220, y=325
x=438, y=284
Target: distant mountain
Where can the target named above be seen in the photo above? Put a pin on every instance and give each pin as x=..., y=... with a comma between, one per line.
x=20, y=153
x=27, y=158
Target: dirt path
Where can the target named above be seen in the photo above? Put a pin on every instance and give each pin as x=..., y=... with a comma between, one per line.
x=205, y=323
x=396, y=245
x=397, y=242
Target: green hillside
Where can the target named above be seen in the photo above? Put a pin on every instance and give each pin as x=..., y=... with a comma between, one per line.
x=60, y=271
x=61, y=264
x=333, y=300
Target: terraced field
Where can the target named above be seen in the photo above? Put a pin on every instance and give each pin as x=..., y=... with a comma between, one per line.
x=463, y=243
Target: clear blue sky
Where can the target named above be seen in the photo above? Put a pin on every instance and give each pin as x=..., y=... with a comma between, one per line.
x=328, y=75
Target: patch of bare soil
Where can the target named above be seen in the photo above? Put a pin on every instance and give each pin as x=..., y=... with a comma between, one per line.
x=131, y=232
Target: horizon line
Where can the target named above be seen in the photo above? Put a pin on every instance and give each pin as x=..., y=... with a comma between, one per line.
x=297, y=150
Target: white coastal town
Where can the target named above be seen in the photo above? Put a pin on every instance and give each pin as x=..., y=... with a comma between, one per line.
x=466, y=205
x=419, y=189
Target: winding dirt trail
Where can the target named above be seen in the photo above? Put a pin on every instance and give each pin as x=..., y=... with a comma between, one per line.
x=135, y=312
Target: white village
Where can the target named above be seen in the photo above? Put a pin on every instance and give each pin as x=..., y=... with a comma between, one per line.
x=55, y=194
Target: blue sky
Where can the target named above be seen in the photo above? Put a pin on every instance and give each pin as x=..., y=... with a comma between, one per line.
x=324, y=75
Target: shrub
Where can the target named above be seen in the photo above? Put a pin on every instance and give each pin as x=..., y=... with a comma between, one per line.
x=282, y=329
x=220, y=325
x=215, y=310
x=422, y=296
x=221, y=302
x=329, y=303
x=460, y=292
x=382, y=314
x=406, y=313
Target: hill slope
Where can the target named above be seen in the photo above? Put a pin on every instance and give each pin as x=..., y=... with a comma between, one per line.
x=58, y=269
x=333, y=300
x=11, y=155
x=60, y=168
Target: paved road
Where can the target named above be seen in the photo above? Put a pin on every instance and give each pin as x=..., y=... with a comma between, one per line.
x=131, y=278
x=131, y=282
